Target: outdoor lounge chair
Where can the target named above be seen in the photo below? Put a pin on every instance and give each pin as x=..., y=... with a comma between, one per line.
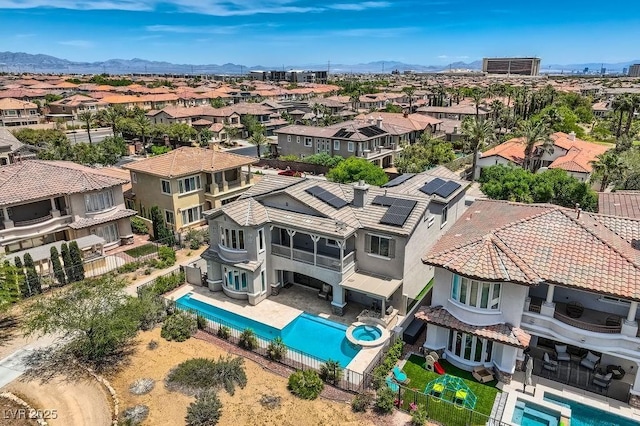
x=549, y=364
x=562, y=354
x=391, y=384
x=603, y=381
x=325, y=292
x=399, y=375
x=590, y=361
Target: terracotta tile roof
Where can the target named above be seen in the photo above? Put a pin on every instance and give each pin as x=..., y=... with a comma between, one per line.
x=620, y=203
x=412, y=122
x=186, y=160
x=511, y=150
x=501, y=333
x=77, y=100
x=530, y=244
x=35, y=179
x=9, y=103
x=87, y=222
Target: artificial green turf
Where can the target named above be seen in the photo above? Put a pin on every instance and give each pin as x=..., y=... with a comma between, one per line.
x=419, y=378
x=142, y=250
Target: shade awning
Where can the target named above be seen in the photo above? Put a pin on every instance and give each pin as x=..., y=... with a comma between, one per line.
x=372, y=285
x=43, y=252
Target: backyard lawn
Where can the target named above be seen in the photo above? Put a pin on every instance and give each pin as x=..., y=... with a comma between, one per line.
x=142, y=250
x=443, y=411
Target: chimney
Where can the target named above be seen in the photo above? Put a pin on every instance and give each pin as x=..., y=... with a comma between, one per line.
x=360, y=191
x=572, y=136
x=370, y=120
x=379, y=121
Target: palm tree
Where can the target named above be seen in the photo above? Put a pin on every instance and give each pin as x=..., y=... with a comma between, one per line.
x=478, y=95
x=605, y=168
x=112, y=116
x=497, y=108
x=409, y=91
x=477, y=135
x=355, y=99
x=634, y=105
x=534, y=133
x=258, y=139
x=89, y=118
x=144, y=127
x=620, y=105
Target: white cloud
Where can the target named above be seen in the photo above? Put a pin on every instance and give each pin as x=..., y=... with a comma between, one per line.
x=76, y=43
x=183, y=29
x=359, y=6
x=131, y=5
x=373, y=32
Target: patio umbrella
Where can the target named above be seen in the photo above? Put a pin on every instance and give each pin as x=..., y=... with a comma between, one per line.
x=527, y=373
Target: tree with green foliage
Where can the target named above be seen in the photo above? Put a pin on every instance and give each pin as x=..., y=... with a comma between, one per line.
x=477, y=134
x=32, y=275
x=218, y=103
x=393, y=108
x=536, y=140
x=621, y=104
x=9, y=286
x=88, y=118
x=205, y=410
x=143, y=127
x=40, y=137
x=605, y=168
x=25, y=288
x=113, y=116
x=161, y=232
x=259, y=140
x=232, y=132
x=305, y=384
x=204, y=136
x=251, y=124
x=77, y=266
x=324, y=159
x=97, y=317
x=58, y=270
x=409, y=91
x=424, y=154
x=354, y=169
x=181, y=132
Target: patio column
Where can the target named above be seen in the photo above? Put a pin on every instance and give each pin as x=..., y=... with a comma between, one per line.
x=630, y=325
x=291, y=234
x=5, y=213
x=548, y=308
x=54, y=210
x=633, y=308
x=341, y=244
x=315, y=239
x=225, y=186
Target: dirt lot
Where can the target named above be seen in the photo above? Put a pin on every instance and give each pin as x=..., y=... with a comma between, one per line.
x=11, y=414
x=244, y=408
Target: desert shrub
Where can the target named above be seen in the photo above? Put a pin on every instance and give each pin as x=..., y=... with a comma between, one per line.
x=419, y=417
x=201, y=322
x=276, y=349
x=306, y=384
x=196, y=238
x=152, y=345
x=166, y=257
x=224, y=332
x=135, y=415
x=385, y=400
x=179, y=327
x=205, y=410
x=331, y=372
x=139, y=226
x=361, y=402
x=163, y=284
x=248, y=340
x=151, y=310
x=142, y=386
x=198, y=374
x=393, y=355
x=270, y=401
x=129, y=267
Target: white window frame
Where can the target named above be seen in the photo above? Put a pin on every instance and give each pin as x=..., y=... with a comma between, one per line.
x=444, y=216
x=197, y=184
x=233, y=239
x=261, y=242
x=99, y=201
x=167, y=214
x=390, y=246
x=308, y=142
x=297, y=139
x=336, y=145
x=350, y=146
x=330, y=242
x=162, y=186
x=288, y=138
x=471, y=287
x=197, y=211
x=486, y=347
x=107, y=231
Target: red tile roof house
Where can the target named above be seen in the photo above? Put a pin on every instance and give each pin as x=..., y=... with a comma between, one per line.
x=510, y=276
x=569, y=153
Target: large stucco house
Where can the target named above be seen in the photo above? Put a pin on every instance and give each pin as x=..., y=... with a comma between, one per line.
x=352, y=243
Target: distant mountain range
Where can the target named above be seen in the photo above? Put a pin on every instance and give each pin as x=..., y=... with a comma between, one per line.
x=25, y=62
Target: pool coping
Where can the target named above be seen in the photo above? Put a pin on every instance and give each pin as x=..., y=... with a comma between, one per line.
x=565, y=412
x=384, y=335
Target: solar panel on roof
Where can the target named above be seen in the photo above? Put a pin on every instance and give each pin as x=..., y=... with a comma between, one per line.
x=382, y=200
x=399, y=180
x=371, y=131
x=398, y=211
x=431, y=187
x=314, y=190
x=447, y=189
x=326, y=196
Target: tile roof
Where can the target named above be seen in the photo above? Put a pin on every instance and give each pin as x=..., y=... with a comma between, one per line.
x=620, y=203
x=501, y=333
x=35, y=179
x=187, y=160
x=87, y=222
x=9, y=103
x=7, y=140
x=511, y=150
x=530, y=244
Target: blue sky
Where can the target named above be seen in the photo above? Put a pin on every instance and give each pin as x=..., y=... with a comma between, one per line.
x=284, y=32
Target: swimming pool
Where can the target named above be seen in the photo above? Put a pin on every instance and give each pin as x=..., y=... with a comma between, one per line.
x=584, y=415
x=307, y=333
x=529, y=414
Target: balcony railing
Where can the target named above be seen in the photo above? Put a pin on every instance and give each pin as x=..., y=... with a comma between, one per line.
x=33, y=221
x=583, y=325
x=304, y=256
x=590, y=320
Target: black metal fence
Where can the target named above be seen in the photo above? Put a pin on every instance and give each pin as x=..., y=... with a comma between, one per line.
x=348, y=380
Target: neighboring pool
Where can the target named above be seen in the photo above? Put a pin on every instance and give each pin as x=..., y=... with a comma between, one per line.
x=307, y=333
x=530, y=414
x=584, y=415
x=367, y=333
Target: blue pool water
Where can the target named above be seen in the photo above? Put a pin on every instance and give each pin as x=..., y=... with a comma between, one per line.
x=584, y=415
x=366, y=333
x=529, y=414
x=307, y=333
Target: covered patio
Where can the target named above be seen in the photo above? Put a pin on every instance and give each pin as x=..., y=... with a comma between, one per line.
x=381, y=291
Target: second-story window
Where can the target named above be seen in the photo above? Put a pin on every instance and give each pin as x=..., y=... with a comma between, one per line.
x=98, y=201
x=189, y=184
x=445, y=214
x=380, y=246
x=232, y=238
x=166, y=186
x=260, y=240
x=476, y=294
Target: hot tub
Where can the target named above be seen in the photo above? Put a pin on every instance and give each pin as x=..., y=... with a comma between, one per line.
x=367, y=334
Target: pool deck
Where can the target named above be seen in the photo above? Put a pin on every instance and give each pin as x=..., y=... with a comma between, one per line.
x=278, y=311
x=542, y=385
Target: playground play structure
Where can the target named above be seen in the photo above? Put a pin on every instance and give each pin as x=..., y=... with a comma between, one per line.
x=453, y=389
x=432, y=364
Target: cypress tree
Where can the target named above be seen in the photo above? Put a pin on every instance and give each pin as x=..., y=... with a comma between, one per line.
x=57, y=266
x=9, y=289
x=76, y=259
x=32, y=275
x=66, y=260
x=161, y=233
x=25, y=288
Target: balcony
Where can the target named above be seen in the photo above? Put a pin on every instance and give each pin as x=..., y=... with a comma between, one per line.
x=232, y=255
x=327, y=262
x=216, y=188
x=28, y=228
x=582, y=318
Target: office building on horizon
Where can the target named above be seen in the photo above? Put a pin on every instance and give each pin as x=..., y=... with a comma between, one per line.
x=509, y=66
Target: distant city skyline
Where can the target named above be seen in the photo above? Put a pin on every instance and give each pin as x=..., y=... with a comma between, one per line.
x=273, y=32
